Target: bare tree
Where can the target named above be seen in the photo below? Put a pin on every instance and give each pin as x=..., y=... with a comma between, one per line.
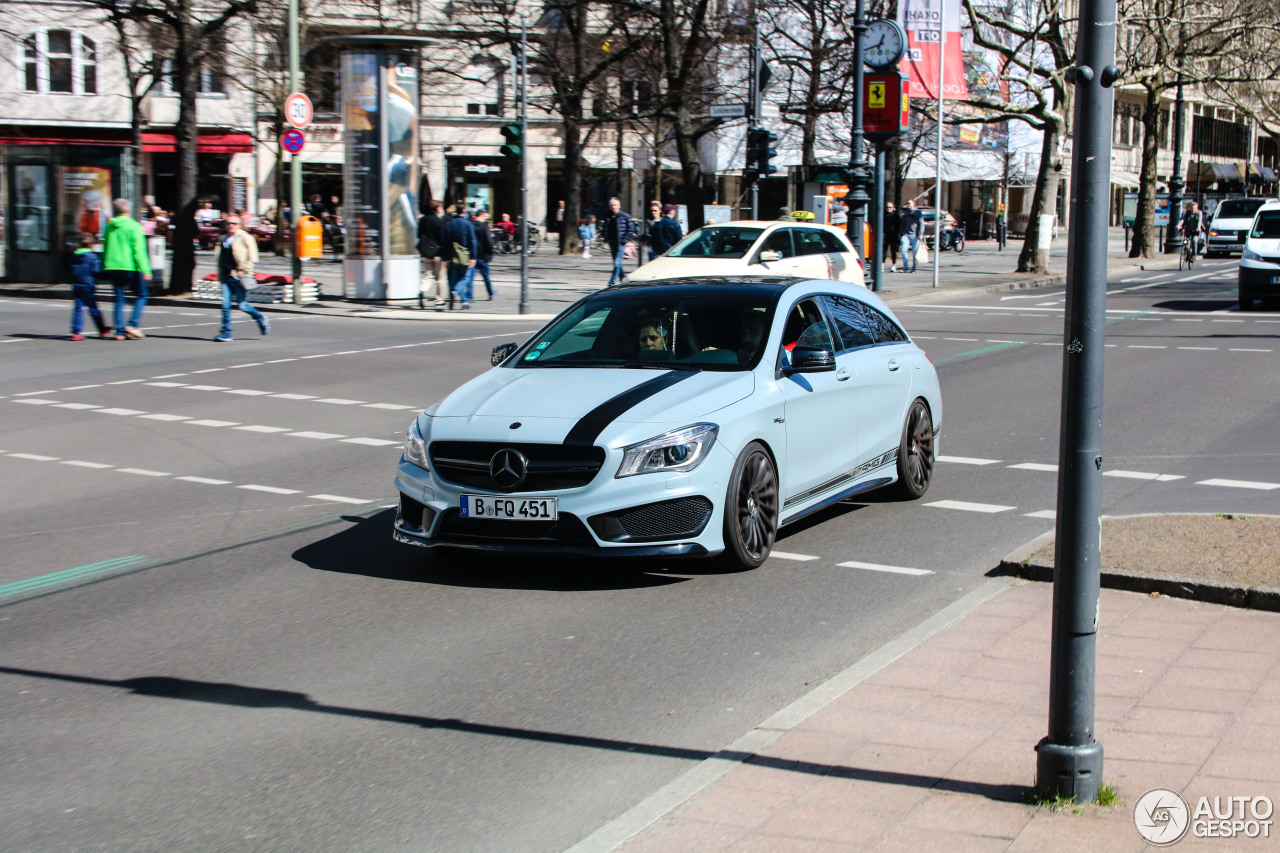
x=195, y=28
x=1035, y=42
x=142, y=54
x=1221, y=48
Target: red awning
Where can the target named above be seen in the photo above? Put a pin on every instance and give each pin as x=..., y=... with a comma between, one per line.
x=208, y=143
x=12, y=135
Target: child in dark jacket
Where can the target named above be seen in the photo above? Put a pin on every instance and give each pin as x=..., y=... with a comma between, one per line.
x=86, y=266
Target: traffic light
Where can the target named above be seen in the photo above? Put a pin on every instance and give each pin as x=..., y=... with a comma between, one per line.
x=759, y=151
x=514, y=149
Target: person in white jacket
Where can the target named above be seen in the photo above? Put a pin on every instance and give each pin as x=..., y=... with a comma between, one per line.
x=237, y=256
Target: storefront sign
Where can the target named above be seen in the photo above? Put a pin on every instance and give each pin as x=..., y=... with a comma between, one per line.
x=482, y=168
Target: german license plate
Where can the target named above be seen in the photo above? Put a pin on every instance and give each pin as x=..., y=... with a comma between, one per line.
x=1275, y=279
x=513, y=509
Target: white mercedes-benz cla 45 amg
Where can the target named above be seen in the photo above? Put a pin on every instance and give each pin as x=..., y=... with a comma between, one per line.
x=673, y=418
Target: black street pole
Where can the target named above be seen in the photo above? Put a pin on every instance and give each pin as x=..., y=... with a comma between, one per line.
x=876, y=254
x=753, y=112
x=858, y=178
x=1173, y=233
x=1069, y=759
x=524, y=167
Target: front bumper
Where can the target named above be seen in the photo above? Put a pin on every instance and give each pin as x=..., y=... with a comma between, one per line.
x=1259, y=281
x=648, y=515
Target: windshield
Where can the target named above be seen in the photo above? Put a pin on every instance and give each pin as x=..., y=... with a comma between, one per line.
x=1239, y=208
x=717, y=241
x=661, y=328
x=1267, y=226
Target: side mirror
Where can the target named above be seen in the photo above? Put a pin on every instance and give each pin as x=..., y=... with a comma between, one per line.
x=812, y=360
x=770, y=255
x=501, y=353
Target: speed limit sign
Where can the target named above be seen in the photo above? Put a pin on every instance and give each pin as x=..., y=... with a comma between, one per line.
x=297, y=110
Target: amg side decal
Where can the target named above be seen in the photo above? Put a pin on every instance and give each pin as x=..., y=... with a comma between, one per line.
x=865, y=468
x=594, y=422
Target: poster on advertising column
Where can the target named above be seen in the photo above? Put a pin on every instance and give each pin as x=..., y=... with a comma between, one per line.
x=402, y=142
x=362, y=184
x=922, y=20
x=85, y=203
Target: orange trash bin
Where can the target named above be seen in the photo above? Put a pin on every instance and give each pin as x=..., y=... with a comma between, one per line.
x=310, y=238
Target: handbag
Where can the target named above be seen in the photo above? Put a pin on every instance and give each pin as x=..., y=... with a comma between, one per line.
x=428, y=247
x=629, y=250
x=461, y=254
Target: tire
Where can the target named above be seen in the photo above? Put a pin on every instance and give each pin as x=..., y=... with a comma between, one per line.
x=958, y=245
x=750, y=509
x=915, y=453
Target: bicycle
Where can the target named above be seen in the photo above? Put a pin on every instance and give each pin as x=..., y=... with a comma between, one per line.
x=1188, y=256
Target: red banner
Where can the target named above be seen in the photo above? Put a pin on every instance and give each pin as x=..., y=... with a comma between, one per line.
x=924, y=22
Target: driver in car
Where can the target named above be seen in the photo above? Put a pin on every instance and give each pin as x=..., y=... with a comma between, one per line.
x=652, y=337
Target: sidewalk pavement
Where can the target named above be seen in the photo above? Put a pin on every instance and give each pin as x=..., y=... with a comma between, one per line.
x=556, y=282
x=928, y=744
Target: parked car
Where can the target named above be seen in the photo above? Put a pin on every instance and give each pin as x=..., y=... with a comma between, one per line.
x=1230, y=225
x=799, y=250
x=675, y=418
x=1259, y=273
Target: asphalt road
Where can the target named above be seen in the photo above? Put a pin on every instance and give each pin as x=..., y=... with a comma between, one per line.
x=236, y=656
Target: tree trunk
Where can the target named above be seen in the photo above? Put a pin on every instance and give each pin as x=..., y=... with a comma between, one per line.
x=1033, y=259
x=186, y=78
x=1145, y=240
x=569, y=242
x=690, y=168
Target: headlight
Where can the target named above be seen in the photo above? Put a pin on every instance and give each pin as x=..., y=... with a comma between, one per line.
x=679, y=450
x=415, y=446
x=1250, y=255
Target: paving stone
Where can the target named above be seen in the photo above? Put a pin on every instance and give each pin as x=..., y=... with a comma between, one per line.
x=731, y=806
x=684, y=836
x=1239, y=761
x=1146, y=746
x=970, y=815
x=1065, y=832
x=844, y=792
x=910, y=839
x=1196, y=699
x=1179, y=722
x=1225, y=659
x=821, y=822
x=1217, y=678
x=1134, y=778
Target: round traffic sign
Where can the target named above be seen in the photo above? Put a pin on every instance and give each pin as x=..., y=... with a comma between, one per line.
x=293, y=140
x=297, y=110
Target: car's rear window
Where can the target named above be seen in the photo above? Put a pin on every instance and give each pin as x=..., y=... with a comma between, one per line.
x=1239, y=208
x=1267, y=225
x=716, y=241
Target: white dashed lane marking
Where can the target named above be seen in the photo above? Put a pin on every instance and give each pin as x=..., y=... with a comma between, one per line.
x=1239, y=484
x=967, y=460
x=1041, y=513
x=970, y=507
x=877, y=567
x=1034, y=466
x=1143, y=475
x=786, y=555
x=186, y=478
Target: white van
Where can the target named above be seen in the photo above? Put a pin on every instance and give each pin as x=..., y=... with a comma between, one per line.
x=1259, y=276
x=1231, y=221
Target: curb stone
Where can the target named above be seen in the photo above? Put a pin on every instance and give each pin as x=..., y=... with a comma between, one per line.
x=1019, y=563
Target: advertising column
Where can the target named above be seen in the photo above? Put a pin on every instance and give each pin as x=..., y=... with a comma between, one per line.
x=380, y=91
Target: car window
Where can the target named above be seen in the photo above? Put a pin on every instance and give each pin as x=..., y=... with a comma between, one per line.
x=833, y=243
x=1238, y=208
x=1267, y=225
x=886, y=331
x=809, y=241
x=721, y=241
x=780, y=241
x=853, y=325
x=806, y=326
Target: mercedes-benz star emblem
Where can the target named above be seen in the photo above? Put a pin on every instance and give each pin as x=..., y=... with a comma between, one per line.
x=508, y=468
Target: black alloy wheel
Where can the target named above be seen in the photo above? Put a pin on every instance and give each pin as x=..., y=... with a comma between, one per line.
x=751, y=509
x=915, y=453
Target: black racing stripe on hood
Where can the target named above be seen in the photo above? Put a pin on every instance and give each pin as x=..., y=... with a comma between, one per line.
x=594, y=422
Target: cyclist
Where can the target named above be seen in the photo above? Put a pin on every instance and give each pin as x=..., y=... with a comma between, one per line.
x=1193, y=230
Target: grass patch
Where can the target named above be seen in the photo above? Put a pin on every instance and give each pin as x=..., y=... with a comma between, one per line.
x=1108, y=796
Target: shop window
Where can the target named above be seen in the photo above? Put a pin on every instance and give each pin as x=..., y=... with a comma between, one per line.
x=61, y=61
x=484, y=109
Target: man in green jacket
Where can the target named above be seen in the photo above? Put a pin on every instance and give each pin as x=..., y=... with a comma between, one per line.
x=125, y=263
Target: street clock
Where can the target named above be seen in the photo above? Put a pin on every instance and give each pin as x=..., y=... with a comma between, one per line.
x=884, y=43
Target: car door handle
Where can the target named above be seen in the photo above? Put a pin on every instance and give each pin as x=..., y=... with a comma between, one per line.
x=894, y=364
x=843, y=373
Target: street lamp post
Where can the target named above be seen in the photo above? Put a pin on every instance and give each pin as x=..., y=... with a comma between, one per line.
x=1069, y=758
x=295, y=164
x=858, y=177
x=1173, y=233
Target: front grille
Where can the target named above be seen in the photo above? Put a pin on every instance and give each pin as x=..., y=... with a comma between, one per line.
x=679, y=518
x=551, y=466
x=568, y=529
